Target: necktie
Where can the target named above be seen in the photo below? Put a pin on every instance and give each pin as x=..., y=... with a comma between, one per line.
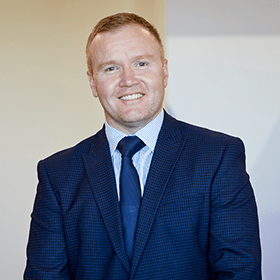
x=130, y=193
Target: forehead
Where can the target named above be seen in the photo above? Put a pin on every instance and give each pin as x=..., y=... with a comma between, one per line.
x=129, y=38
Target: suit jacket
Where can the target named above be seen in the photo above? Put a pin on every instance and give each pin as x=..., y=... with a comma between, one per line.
x=197, y=220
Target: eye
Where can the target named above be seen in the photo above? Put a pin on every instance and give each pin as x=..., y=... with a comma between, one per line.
x=142, y=63
x=110, y=69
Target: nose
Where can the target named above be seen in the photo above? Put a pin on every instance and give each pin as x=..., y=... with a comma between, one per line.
x=128, y=77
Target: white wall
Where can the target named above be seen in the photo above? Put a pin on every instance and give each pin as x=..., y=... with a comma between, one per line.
x=224, y=65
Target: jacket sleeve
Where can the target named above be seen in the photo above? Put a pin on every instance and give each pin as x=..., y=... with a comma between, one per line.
x=234, y=245
x=46, y=249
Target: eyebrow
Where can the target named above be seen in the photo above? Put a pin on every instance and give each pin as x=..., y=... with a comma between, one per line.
x=138, y=57
x=134, y=58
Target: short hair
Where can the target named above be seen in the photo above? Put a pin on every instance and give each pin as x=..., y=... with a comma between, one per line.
x=117, y=21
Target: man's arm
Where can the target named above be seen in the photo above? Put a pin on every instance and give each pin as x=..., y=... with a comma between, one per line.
x=234, y=246
x=46, y=250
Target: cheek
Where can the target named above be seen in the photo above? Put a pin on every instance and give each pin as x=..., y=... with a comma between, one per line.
x=156, y=79
x=107, y=86
x=151, y=82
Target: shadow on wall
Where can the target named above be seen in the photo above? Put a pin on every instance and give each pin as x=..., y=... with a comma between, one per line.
x=266, y=181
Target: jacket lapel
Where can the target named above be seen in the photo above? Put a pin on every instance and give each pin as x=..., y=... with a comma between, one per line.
x=102, y=181
x=168, y=149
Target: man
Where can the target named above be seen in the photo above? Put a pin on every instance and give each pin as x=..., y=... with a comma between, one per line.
x=197, y=217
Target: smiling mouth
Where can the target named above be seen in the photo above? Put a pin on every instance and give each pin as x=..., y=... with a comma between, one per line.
x=131, y=96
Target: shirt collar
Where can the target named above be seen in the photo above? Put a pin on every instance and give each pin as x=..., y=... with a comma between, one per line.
x=148, y=134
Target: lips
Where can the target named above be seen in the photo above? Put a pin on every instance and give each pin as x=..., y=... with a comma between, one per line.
x=131, y=96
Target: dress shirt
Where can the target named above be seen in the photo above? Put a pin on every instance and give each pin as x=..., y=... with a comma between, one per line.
x=142, y=159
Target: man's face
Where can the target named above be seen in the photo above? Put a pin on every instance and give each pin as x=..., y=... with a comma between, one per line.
x=129, y=77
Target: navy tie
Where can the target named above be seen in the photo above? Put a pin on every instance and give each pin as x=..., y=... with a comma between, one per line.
x=130, y=193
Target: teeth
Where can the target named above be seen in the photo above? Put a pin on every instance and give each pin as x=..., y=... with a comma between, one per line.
x=131, y=96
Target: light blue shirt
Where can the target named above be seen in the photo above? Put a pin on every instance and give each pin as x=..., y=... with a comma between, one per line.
x=142, y=159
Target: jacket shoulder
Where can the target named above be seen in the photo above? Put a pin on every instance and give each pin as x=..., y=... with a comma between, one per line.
x=74, y=153
x=197, y=133
x=202, y=141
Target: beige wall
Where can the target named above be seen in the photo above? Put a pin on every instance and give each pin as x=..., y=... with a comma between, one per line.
x=45, y=101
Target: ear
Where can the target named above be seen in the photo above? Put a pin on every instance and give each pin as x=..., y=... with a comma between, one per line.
x=92, y=84
x=165, y=72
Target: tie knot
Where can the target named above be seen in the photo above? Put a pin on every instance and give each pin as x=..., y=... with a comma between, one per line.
x=130, y=145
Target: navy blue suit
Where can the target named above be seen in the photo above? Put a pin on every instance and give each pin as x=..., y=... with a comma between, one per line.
x=197, y=220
